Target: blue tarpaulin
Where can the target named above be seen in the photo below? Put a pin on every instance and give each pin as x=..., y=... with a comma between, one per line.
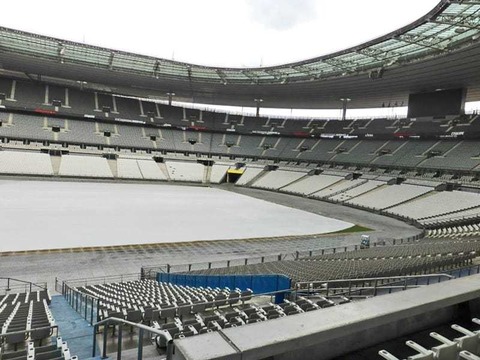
x=259, y=284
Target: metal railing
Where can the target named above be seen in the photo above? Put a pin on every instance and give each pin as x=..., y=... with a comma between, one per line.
x=464, y=271
x=355, y=287
x=12, y=285
x=165, y=335
x=26, y=332
x=150, y=272
x=84, y=304
x=96, y=280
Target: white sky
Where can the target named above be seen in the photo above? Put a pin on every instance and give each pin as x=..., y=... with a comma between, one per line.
x=217, y=32
x=223, y=33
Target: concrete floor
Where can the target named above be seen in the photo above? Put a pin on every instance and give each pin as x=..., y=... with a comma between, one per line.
x=46, y=266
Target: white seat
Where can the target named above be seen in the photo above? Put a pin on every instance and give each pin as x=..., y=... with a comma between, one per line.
x=447, y=351
x=469, y=342
x=386, y=355
x=468, y=356
x=423, y=354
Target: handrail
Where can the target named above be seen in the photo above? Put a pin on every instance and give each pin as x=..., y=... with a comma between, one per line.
x=43, y=287
x=74, y=288
x=352, y=284
x=29, y=330
x=104, y=278
x=374, y=279
x=73, y=295
x=142, y=328
x=126, y=322
x=169, y=268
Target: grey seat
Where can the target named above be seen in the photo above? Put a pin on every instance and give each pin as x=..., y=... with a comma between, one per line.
x=220, y=300
x=198, y=306
x=134, y=316
x=40, y=334
x=233, y=297
x=467, y=355
x=16, y=339
x=169, y=312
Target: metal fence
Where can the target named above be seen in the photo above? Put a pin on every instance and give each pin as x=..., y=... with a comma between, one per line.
x=11, y=285
x=150, y=272
x=365, y=287
x=87, y=305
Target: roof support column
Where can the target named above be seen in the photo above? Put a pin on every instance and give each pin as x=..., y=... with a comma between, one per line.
x=170, y=97
x=345, y=102
x=258, y=102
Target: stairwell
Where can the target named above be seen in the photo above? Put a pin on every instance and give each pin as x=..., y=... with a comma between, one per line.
x=56, y=160
x=163, y=169
x=113, y=167
x=207, y=173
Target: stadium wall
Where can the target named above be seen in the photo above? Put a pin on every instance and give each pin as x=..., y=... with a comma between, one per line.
x=340, y=330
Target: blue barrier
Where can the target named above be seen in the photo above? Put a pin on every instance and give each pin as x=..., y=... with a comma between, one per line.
x=259, y=284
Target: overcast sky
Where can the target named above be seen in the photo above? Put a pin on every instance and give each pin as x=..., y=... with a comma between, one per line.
x=216, y=32
x=233, y=33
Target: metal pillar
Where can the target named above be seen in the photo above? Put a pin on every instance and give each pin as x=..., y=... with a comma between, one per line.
x=345, y=102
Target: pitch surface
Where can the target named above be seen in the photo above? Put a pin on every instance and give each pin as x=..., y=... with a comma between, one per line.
x=51, y=215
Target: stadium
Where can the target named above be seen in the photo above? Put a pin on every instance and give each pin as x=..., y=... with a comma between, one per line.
x=141, y=221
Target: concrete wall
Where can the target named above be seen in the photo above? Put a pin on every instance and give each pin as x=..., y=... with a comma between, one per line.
x=324, y=334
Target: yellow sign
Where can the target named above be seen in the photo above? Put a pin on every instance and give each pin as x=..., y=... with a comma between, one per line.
x=235, y=171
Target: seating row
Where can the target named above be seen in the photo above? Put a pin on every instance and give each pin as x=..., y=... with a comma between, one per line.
x=465, y=346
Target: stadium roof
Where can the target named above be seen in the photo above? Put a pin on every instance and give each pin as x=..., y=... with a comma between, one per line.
x=440, y=50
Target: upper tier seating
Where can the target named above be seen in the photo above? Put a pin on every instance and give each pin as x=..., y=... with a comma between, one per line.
x=33, y=95
x=468, y=151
